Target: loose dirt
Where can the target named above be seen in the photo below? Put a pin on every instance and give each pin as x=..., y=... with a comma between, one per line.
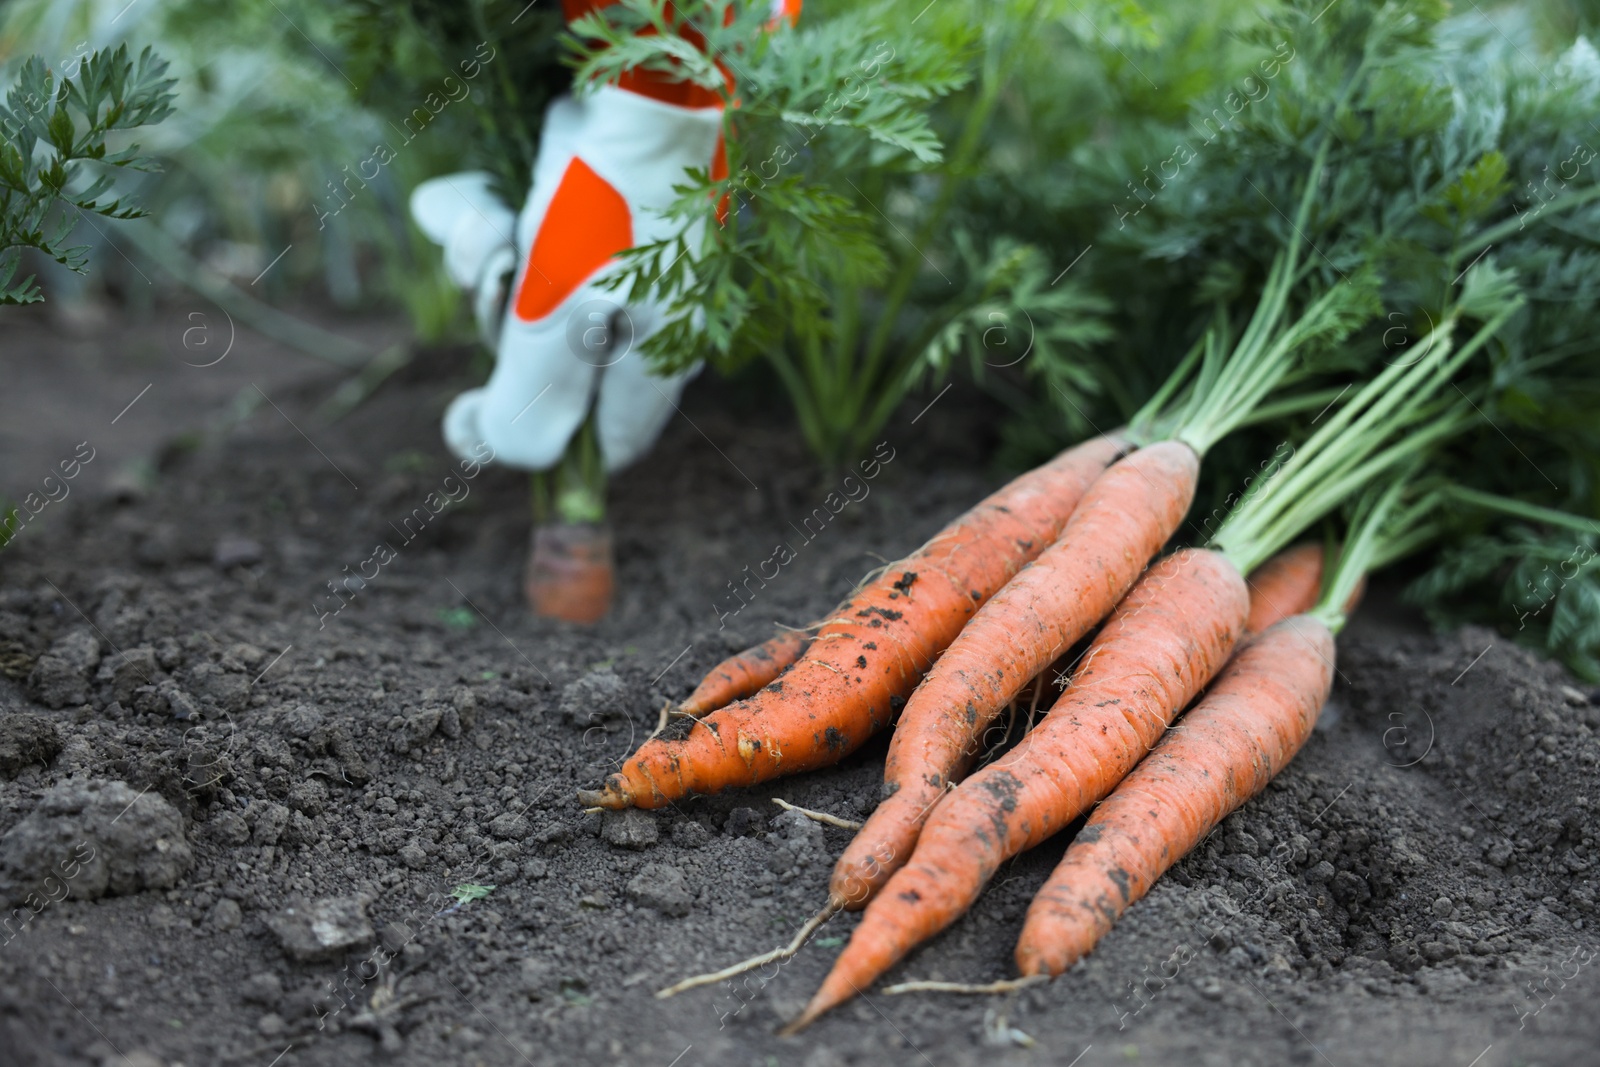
x=331, y=772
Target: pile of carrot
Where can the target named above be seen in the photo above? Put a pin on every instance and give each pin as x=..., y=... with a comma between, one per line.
x=963, y=626
x=1205, y=661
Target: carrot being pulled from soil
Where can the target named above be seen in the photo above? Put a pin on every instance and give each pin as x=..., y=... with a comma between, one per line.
x=872, y=652
x=744, y=674
x=1166, y=640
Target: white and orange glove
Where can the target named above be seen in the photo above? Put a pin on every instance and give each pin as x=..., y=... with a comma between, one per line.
x=607, y=165
x=606, y=168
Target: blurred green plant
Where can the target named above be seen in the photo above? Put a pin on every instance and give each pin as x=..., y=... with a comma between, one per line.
x=397, y=47
x=54, y=128
x=263, y=153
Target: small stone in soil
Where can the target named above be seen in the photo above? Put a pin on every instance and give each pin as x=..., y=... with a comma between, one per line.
x=417, y=726
x=513, y=827
x=310, y=930
x=662, y=888
x=263, y=987
x=125, y=671
x=630, y=828
x=597, y=695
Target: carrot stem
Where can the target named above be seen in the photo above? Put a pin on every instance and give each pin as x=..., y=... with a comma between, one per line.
x=1520, y=509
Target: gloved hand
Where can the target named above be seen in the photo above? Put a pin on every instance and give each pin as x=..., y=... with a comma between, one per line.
x=607, y=165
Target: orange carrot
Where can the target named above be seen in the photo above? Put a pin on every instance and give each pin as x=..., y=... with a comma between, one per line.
x=872, y=652
x=1250, y=723
x=746, y=673
x=570, y=572
x=1288, y=585
x=1165, y=641
x=1122, y=521
x=1285, y=585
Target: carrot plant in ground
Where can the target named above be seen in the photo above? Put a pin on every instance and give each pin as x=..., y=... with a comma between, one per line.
x=850, y=139
x=55, y=164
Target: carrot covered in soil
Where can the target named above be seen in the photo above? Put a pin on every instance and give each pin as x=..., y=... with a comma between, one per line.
x=872, y=652
x=1166, y=639
x=744, y=673
x=1162, y=645
x=1252, y=721
x=1122, y=521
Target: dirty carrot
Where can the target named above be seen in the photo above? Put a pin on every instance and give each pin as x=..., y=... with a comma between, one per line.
x=1123, y=520
x=1252, y=721
x=1224, y=751
x=872, y=652
x=744, y=673
x=1159, y=648
x=1164, y=642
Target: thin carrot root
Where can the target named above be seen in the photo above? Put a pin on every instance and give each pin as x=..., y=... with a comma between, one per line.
x=818, y=816
x=1007, y=985
x=811, y=926
x=662, y=720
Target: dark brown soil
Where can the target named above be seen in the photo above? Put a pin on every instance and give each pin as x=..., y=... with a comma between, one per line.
x=1419, y=888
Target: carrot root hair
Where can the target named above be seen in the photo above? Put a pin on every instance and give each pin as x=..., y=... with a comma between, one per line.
x=812, y=925
x=1005, y=985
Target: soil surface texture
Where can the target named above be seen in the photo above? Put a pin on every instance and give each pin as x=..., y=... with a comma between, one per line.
x=288, y=774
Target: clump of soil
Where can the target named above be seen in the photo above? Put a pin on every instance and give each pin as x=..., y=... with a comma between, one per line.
x=373, y=771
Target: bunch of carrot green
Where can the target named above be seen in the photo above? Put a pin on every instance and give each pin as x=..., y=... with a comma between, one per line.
x=1394, y=202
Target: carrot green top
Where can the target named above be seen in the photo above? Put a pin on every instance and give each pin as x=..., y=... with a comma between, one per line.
x=1390, y=421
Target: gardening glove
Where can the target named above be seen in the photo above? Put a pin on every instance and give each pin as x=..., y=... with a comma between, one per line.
x=474, y=227
x=606, y=168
